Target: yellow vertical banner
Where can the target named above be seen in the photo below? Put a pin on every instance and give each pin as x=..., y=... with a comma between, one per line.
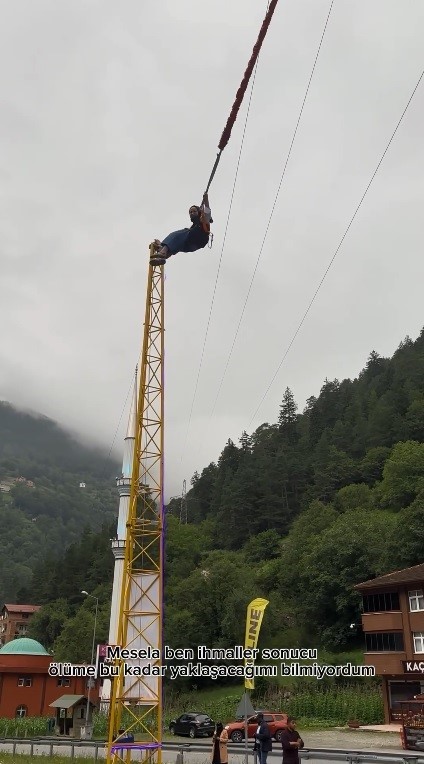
x=255, y=614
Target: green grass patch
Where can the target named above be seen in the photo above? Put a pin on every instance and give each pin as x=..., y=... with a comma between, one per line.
x=204, y=697
x=332, y=707
x=315, y=724
x=33, y=726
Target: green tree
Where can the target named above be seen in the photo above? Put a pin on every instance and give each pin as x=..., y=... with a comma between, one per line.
x=245, y=442
x=287, y=419
x=237, y=515
x=406, y=547
x=185, y=544
x=403, y=474
x=354, y=497
x=332, y=469
x=200, y=496
x=216, y=595
x=371, y=466
x=350, y=551
x=414, y=420
x=75, y=641
x=262, y=547
x=47, y=625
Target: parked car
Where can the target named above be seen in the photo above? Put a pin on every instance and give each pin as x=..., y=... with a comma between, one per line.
x=276, y=723
x=192, y=724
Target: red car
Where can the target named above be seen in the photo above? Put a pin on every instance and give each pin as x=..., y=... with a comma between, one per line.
x=276, y=723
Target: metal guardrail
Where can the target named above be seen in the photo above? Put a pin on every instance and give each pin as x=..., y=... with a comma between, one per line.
x=355, y=757
x=332, y=754
x=323, y=754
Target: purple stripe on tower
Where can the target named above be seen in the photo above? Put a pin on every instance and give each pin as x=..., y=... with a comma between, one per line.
x=162, y=506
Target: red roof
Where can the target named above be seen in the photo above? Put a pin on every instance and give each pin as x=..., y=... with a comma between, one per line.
x=405, y=576
x=22, y=608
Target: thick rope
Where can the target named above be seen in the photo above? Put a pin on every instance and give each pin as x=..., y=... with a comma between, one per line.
x=225, y=137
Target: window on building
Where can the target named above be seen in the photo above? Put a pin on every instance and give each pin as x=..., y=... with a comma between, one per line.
x=418, y=641
x=380, y=603
x=402, y=691
x=380, y=642
x=21, y=711
x=416, y=600
x=25, y=681
x=62, y=682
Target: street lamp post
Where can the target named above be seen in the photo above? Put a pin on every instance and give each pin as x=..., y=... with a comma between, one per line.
x=92, y=651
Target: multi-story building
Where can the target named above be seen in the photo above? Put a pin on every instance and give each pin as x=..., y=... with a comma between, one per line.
x=14, y=621
x=393, y=625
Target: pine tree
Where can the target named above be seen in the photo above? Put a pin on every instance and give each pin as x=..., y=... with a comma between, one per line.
x=245, y=442
x=287, y=419
x=195, y=478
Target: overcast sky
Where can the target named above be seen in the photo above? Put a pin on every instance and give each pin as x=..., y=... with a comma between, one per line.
x=110, y=115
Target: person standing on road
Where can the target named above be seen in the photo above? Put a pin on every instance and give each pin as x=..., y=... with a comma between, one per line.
x=219, y=745
x=263, y=739
x=291, y=743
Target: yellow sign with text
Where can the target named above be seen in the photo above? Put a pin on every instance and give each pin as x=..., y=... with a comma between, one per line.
x=255, y=614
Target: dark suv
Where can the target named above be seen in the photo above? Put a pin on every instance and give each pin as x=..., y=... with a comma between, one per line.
x=193, y=724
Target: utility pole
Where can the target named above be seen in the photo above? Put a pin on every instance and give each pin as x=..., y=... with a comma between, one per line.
x=183, y=508
x=90, y=679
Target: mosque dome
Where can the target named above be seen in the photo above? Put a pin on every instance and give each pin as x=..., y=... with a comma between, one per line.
x=23, y=646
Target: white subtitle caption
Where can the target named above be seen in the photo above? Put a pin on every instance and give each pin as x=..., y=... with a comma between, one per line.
x=148, y=662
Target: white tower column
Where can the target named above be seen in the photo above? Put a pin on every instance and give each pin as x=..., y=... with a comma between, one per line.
x=118, y=543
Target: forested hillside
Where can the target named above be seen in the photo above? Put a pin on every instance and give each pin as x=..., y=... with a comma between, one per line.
x=299, y=511
x=42, y=506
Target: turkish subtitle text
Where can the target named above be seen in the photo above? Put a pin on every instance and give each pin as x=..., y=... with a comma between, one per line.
x=152, y=662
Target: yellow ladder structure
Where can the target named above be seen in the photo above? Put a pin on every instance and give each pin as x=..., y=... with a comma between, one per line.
x=136, y=700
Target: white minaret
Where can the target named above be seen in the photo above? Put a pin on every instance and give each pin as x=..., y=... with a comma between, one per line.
x=118, y=544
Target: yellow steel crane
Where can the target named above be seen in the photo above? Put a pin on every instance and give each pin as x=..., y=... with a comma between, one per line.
x=135, y=716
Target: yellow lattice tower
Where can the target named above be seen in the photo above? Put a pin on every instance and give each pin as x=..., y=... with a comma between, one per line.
x=136, y=701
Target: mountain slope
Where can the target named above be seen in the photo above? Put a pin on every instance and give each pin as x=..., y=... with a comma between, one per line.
x=51, y=488
x=298, y=512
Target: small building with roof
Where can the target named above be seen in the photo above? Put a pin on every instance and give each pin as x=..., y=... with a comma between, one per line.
x=26, y=688
x=71, y=716
x=393, y=626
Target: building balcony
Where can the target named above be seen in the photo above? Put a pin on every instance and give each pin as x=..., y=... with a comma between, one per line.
x=416, y=620
x=389, y=621
x=386, y=663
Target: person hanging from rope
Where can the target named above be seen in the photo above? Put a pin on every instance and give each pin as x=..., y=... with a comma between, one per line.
x=197, y=237
x=187, y=239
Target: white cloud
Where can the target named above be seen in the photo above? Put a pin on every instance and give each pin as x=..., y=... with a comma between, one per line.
x=109, y=120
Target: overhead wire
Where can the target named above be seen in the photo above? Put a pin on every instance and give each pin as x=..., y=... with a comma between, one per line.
x=131, y=387
x=337, y=249
x=108, y=459
x=221, y=254
x=273, y=208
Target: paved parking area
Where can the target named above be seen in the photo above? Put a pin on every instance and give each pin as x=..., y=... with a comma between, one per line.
x=358, y=739
x=362, y=739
